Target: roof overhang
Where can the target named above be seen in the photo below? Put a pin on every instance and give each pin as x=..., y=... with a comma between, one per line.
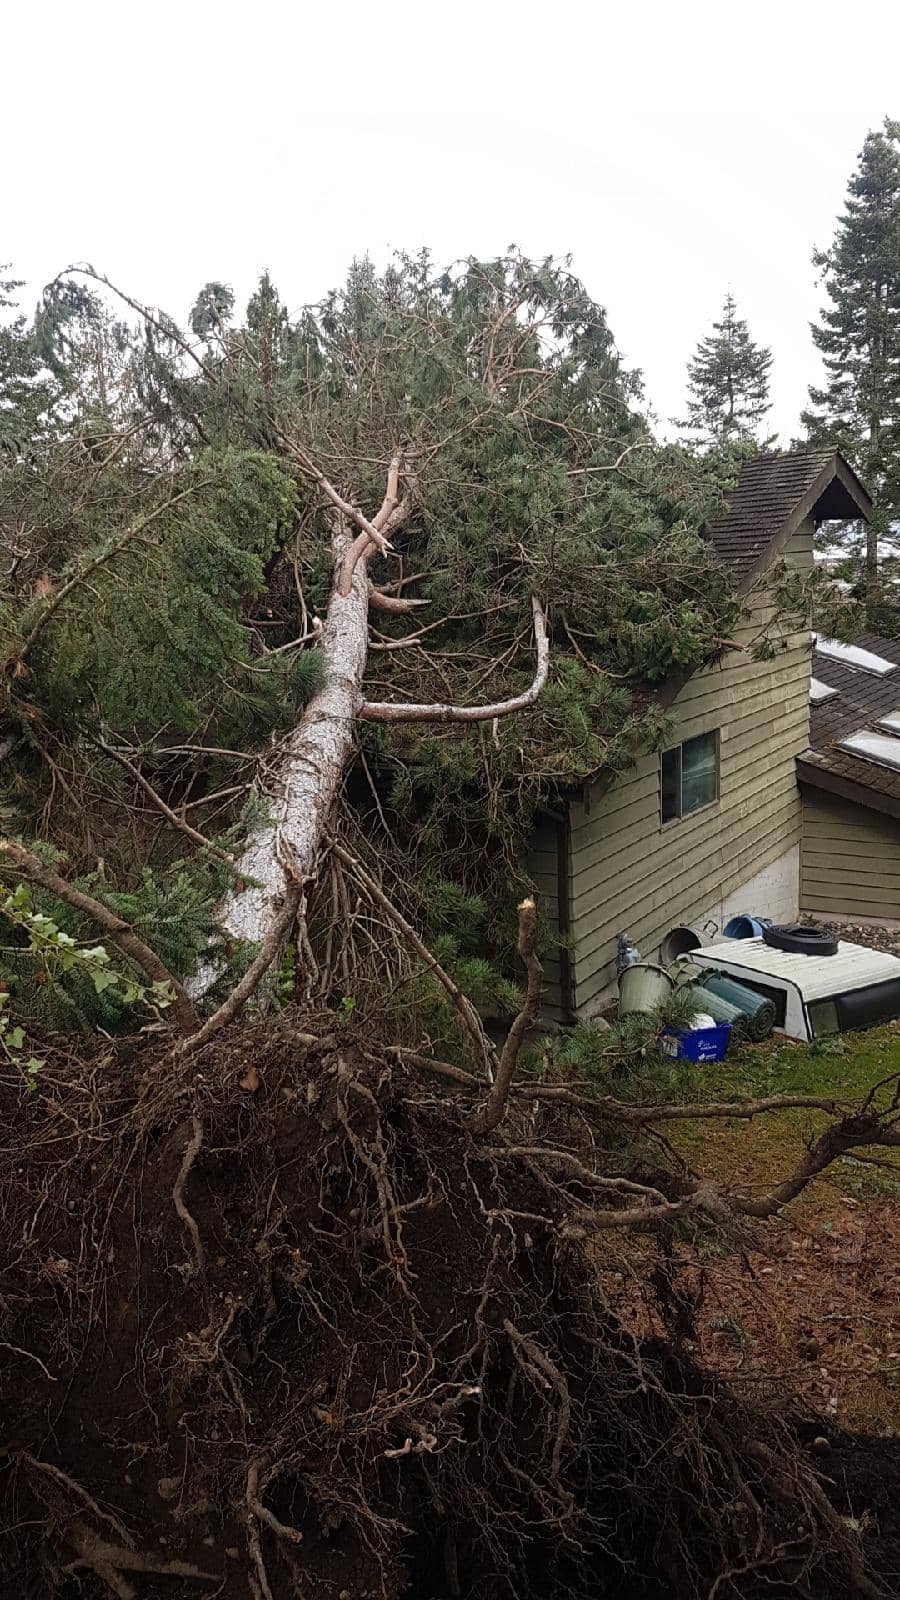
x=811, y=775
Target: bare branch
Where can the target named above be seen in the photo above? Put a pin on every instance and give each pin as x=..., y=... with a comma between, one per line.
x=462, y=1005
x=351, y=512
x=581, y=472
x=384, y=711
x=359, y=549
x=120, y=932
x=157, y=800
x=395, y=604
x=495, y=1105
x=268, y=953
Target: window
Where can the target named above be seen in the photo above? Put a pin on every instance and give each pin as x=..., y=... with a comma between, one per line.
x=881, y=747
x=819, y=691
x=853, y=656
x=689, y=776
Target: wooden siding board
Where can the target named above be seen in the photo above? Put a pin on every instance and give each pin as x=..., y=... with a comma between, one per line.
x=634, y=846
x=849, y=861
x=714, y=875
x=630, y=872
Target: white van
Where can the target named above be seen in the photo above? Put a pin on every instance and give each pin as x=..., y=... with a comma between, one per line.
x=813, y=995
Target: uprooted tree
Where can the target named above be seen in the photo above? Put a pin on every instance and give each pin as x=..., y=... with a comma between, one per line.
x=443, y=468
x=302, y=620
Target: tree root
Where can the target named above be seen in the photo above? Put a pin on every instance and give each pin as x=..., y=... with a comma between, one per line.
x=74, y=1488
x=110, y=1561
x=190, y=1155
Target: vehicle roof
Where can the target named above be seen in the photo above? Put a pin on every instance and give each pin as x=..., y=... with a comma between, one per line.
x=854, y=966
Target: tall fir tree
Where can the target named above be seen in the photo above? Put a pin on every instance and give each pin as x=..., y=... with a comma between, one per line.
x=858, y=406
x=728, y=381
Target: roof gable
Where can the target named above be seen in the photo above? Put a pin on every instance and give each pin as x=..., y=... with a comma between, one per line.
x=773, y=495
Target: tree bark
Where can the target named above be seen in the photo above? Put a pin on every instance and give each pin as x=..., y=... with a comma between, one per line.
x=301, y=792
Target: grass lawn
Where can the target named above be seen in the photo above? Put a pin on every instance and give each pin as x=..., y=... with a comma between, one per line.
x=815, y=1316
x=752, y=1155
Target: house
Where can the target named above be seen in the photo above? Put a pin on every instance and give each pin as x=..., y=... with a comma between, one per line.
x=711, y=826
x=850, y=784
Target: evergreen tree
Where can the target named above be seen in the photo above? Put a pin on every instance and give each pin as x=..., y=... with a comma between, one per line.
x=728, y=380
x=27, y=393
x=858, y=406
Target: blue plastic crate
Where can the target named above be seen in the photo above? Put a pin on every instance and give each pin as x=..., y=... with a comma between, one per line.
x=701, y=1044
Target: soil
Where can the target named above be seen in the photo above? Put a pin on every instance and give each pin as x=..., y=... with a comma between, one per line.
x=278, y=1324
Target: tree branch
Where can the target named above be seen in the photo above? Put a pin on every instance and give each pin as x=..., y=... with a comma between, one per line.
x=157, y=800
x=494, y=1108
x=384, y=711
x=351, y=512
x=268, y=953
x=395, y=604
x=360, y=547
x=462, y=1005
x=120, y=932
x=99, y=561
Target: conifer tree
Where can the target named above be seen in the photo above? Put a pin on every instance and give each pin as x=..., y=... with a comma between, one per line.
x=858, y=406
x=728, y=381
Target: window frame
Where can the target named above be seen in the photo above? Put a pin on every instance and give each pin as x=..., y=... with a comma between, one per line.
x=682, y=815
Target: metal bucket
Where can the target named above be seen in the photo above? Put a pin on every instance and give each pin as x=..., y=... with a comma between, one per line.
x=678, y=942
x=643, y=986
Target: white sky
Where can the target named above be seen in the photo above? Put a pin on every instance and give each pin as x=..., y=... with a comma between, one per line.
x=675, y=149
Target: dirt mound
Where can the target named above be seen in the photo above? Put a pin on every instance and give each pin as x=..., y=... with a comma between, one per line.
x=284, y=1327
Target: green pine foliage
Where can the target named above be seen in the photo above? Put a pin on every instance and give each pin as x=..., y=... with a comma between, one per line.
x=27, y=394
x=857, y=407
x=172, y=911
x=532, y=470
x=728, y=382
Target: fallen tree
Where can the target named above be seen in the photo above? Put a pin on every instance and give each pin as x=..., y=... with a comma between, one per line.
x=336, y=1267
x=485, y=413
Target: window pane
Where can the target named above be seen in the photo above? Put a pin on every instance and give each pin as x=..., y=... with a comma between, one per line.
x=699, y=784
x=670, y=784
x=824, y=1018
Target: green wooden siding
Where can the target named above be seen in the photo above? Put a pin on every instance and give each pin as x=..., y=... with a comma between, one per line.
x=631, y=873
x=849, y=861
x=543, y=866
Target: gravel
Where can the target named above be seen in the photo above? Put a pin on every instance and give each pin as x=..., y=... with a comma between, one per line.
x=871, y=935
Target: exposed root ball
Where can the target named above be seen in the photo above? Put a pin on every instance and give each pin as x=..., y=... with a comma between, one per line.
x=309, y=1339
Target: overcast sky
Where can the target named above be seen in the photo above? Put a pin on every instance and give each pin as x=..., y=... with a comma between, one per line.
x=675, y=149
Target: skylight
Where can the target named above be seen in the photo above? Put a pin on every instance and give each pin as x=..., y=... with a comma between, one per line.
x=853, y=655
x=880, y=747
x=822, y=691
x=890, y=721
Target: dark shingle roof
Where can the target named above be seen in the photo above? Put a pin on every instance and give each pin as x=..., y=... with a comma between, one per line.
x=772, y=496
x=861, y=699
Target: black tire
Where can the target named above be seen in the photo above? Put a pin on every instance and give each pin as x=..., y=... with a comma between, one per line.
x=800, y=939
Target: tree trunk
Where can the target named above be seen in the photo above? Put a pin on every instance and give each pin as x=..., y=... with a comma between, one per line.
x=872, y=531
x=301, y=791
